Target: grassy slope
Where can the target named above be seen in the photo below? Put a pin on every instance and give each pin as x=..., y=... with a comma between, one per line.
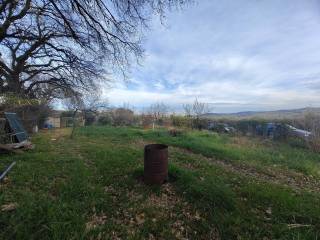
x=73, y=189
x=256, y=153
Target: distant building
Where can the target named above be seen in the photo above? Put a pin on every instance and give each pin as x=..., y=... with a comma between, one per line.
x=53, y=120
x=62, y=119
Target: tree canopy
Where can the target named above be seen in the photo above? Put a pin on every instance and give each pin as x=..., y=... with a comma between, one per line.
x=53, y=48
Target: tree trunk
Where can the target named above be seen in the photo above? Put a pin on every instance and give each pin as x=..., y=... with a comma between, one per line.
x=73, y=123
x=14, y=84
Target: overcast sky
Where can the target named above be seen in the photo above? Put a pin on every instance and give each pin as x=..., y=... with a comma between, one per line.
x=236, y=55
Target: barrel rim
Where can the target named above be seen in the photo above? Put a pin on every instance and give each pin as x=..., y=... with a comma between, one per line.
x=156, y=146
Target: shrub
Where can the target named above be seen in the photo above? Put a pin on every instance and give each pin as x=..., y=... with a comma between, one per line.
x=105, y=119
x=281, y=132
x=312, y=123
x=122, y=117
x=181, y=121
x=89, y=118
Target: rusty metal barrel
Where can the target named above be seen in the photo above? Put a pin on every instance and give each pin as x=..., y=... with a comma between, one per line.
x=155, y=163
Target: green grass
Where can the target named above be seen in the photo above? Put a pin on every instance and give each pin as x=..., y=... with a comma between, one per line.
x=257, y=153
x=89, y=188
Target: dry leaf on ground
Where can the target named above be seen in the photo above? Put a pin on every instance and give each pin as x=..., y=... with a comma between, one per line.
x=9, y=207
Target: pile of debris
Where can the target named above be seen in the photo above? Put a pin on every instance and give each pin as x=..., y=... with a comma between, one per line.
x=13, y=136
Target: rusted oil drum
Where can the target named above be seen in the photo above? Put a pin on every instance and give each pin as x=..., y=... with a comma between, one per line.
x=155, y=163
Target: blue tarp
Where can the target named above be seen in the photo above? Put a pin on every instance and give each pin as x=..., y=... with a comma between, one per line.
x=16, y=126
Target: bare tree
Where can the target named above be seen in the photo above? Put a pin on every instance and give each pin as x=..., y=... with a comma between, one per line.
x=311, y=122
x=199, y=108
x=92, y=105
x=158, y=111
x=46, y=45
x=195, y=111
x=74, y=103
x=84, y=103
x=187, y=110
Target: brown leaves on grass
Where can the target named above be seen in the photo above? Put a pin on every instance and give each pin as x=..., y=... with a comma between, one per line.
x=96, y=220
x=173, y=207
x=165, y=200
x=9, y=207
x=296, y=225
x=153, y=209
x=269, y=211
x=140, y=218
x=5, y=183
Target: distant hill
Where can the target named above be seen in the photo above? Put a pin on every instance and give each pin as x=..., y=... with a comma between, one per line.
x=277, y=114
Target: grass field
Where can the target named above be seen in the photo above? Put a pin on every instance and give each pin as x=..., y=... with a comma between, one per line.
x=221, y=187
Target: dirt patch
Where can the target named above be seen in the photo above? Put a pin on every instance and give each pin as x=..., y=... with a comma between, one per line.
x=57, y=133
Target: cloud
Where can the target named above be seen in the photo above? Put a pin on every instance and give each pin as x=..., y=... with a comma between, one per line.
x=245, y=54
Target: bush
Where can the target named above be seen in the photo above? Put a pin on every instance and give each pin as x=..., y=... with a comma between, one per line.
x=281, y=132
x=89, y=118
x=105, y=119
x=117, y=117
x=200, y=123
x=297, y=142
x=181, y=121
x=311, y=122
x=122, y=117
x=314, y=144
x=251, y=127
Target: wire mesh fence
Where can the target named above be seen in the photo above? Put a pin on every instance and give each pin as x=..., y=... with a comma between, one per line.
x=32, y=125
